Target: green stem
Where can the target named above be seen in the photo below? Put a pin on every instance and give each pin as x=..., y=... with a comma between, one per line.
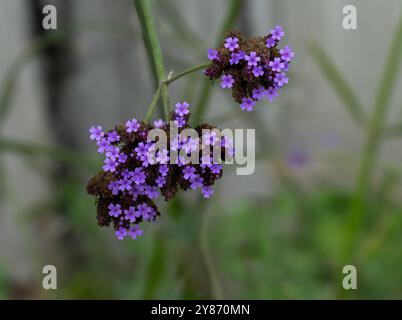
x=153, y=49
x=185, y=72
x=154, y=102
x=373, y=141
x=228, y=23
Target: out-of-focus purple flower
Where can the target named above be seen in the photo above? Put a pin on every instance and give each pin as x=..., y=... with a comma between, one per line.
x=227, y=81
x=247, y=104
x=287, y=53
x=213, y=54
x=114, y=210
x=277, y=33
x=163, y=170
x=297, y=159
x=96, y=133
x=207, y=191
x=231, y=43
x=252, y=59
x=132, y=125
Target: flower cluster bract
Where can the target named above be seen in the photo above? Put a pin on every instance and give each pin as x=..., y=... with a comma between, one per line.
x=135, y=174
x=253, y=68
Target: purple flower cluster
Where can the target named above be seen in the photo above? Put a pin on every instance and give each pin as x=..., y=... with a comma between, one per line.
x=253, y=68
x=135, y=173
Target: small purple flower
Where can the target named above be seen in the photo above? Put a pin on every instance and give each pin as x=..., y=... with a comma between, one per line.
x=281, y=79
x=163, y=170
x=210, y=138
x=216, y=168
x=287, y=54
x=297, y=159
x=132, y=125
x=145, y=211
x=110, y=165
x=113, y=136
x=258, y=93
x=152, y=192
x=182, y=109
x=235, y=58
x=257, y=71
x=232, y=43
x=252, y=59
x=160, y=181
x=207, y=191
x=159, y=123
x=213, y=54
x=270, y=42
x=271, y=93
x=122, y=158
x=276, y=65
x=125, y=184
x=135, y=232
x=188, y=173
x=180, y=122
x=121, y=233
x=227, y=81
x=130, y=214
x=114, y=210
x=103, y=145
x=247, y=104
x=114, y=187
x=96, y=133
x=141, y=150
x=113, y=153
x=139, y=176
x=162, y=156
x=277, y=33
x=196, y=182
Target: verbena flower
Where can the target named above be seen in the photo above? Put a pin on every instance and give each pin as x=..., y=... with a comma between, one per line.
x=253, y=68
x=132, y=178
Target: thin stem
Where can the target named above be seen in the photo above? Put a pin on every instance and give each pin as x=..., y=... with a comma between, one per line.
x=373, y=141
x=153, y=49
x=185, y=72
x=154, y=102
